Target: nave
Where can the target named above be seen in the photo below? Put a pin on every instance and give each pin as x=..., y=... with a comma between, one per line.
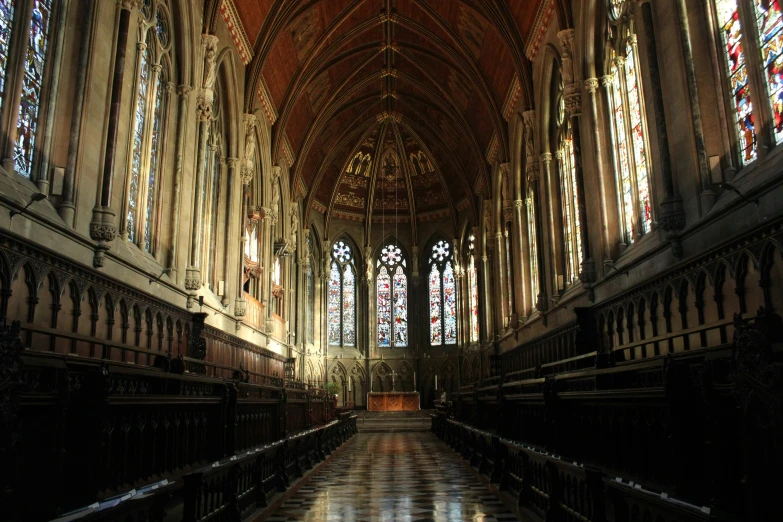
x=393, y=476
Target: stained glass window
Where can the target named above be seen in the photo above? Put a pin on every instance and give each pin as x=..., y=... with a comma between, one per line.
x=392, y=298
x=149, y=128
x=138, y=145
x=733, y=48
x=532, y=247
x=341, y=297
x=630, y=141
x=6, y=24
x=769, y=21
x=473, y=284
x=310, y=289
x=442, y=295
x=572, y=229
x=31, y=86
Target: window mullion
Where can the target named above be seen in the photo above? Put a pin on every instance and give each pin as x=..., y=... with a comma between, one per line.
x=15, y=79
x=765, y=132
x=629, y=146
x=646, y=131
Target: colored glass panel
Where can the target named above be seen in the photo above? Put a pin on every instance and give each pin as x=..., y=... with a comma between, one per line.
x=157, y=121
x=533, y=248
x=138, y=145
x=6, y=24
x=473, y=280
x=638, y=139
x=384, y=308
x=342, y=252
x=35, y=61
x=436, y=333
x=732, y=36
x=213, y=214
x=769, y=21
x=449, y=306
x=569, y=196
x=400, y=308
x=334, y=313
x=621, y=142
x=349, y=307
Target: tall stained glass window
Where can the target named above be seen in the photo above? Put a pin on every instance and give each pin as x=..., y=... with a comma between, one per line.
x=392, y=295
x=6, y=24
x=769, y=22
x=35, y=60
x=572, y=228
x=442, y=295
x=341, y=297
x=148, y=125
x=734, y=51
x=629, y=132
x=310, y=289
x=473, y=289
x=532, y=247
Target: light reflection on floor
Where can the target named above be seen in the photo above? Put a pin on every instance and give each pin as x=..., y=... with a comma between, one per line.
x=396, y=477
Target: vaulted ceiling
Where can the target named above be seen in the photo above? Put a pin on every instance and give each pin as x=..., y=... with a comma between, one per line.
x=390, y=108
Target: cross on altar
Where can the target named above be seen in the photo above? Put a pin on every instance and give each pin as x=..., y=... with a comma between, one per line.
x=393, y=374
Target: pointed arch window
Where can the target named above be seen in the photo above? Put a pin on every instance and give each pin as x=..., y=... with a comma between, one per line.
x=211, y=196
x=34, y=50
x=473, y=289
x=629, y=130
x=392, y=296
x=572, y=228
x=443, y=295
x=341, y=300
x=153, y=86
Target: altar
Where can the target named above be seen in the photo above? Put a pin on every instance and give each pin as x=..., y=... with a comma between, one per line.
x=393, y=401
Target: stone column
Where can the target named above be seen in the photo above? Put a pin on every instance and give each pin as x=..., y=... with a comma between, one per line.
x=501, y=312
x=67, y=206
x=672, y=218
x=231, y=163
x=183, y=94
x=553, y=225
x=103, y=230
x=591, y=85
x=488, y=307
x=42, y=179
x=206, y=98
x=573, y=103
x=707, y=194
x=542, y=303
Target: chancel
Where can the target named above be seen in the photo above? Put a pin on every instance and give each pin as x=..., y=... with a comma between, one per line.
x=391, y=260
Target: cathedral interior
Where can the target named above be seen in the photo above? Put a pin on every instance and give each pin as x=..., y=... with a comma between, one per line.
x=391, y=260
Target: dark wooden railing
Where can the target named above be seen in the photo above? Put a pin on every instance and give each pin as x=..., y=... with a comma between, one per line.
x=685, y=425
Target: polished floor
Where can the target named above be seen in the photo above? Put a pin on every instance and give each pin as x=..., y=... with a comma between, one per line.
x=393, y=476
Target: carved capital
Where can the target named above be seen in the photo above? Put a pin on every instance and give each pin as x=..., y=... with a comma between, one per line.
x=231, y=162
x=533, y=169
x=591, y=84
x=566, y=38
x=184, y=90
x=606, y=81
x=204, y=107
x=546, y=158
x=519, y=203
x=141, y=47
x=276, y=172
x=247, y=175
x=240, y=307
x=103, y=231
x=192, y=278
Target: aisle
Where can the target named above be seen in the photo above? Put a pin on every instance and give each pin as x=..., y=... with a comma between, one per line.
x=393, y=476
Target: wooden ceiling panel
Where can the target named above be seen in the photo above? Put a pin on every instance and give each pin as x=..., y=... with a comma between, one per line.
x=496, y=61
x=524, y=14
x=252, y=15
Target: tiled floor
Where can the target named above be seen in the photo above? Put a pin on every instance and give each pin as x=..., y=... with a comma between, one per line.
x=393, y=476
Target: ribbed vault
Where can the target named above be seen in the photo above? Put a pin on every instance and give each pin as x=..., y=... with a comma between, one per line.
x=412, y=86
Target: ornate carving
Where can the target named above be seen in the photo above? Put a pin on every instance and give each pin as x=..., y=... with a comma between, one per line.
x=11, y=365
x=198, y=345
x=591, y=84
x=240, y=307
x=209, y=45
x=573, y=99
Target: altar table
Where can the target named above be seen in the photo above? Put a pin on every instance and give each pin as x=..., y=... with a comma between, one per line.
x=393, y=401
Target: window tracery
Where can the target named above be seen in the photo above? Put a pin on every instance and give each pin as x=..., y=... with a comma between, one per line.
x=442, y=295
x=341, y=297
x=473, y=289
x=392, y=295
x=629, y=129
x=572, y=228
x=153, y=75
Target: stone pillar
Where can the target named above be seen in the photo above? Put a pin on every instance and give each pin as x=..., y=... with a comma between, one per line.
x=247, y=171
x=42, y=179
x=103, y=230
x=67, y=206
x=553, y=225
x=707, y=194
x=672, y=218
x=206, y=98
x=591, y=85
x=231, y=163
x=183, y=94
x=573, y=103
